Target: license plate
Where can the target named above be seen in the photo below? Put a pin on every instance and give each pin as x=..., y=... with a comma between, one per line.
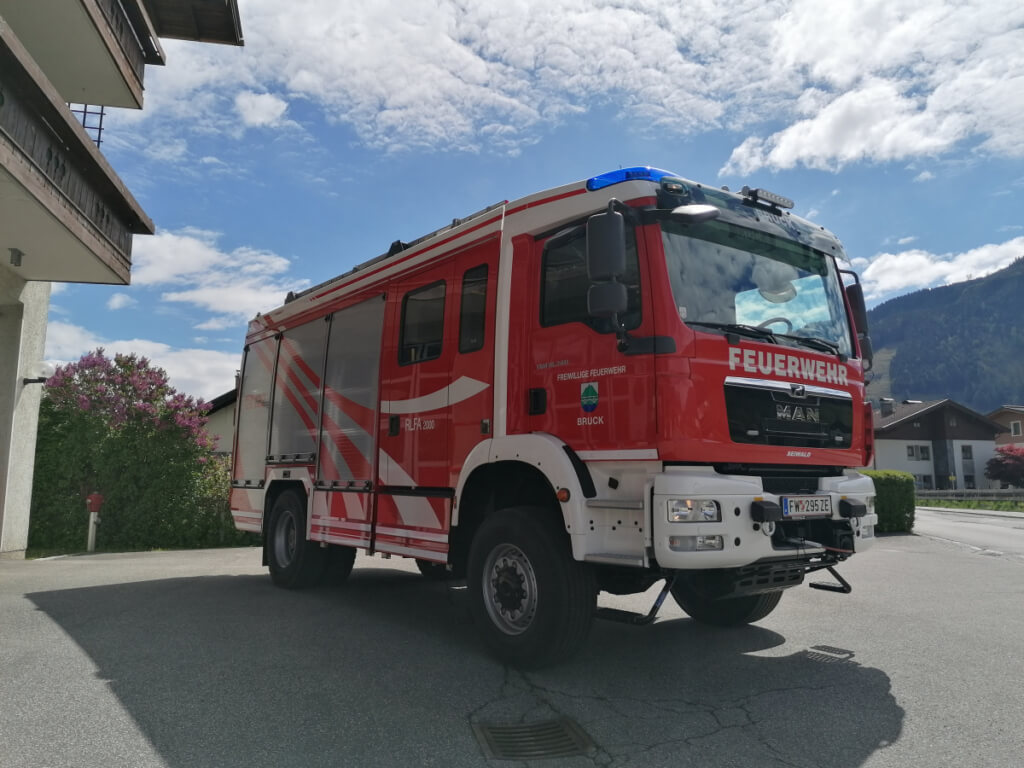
x=799, y=506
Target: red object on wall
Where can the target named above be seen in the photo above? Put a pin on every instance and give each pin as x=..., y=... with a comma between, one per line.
x=94, y=501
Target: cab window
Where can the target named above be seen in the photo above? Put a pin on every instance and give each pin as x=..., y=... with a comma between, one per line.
x=564, y=283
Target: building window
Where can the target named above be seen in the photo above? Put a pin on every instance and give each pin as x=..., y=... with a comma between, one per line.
x=967, y=452
x=969, y=481
x=924, y=453
x=911, y=451
x=1015, y=428
x=923, y=482
x=952, y=421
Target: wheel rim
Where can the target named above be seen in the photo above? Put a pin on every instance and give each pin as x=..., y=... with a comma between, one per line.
x=510, y=589
x=285, y=539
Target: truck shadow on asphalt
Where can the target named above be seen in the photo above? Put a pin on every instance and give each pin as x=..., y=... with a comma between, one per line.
x=387, y=670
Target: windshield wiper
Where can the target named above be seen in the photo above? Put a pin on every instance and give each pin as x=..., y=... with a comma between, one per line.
x=817, y=343
x=741, y=329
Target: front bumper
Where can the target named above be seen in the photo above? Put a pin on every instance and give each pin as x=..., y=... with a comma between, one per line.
x=743, y=540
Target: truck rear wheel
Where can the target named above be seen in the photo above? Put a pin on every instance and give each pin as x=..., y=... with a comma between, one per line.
x=295, y=562
x=724, y=612
x=532, y=603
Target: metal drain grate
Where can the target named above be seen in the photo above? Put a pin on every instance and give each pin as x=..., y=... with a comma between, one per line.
x=533, y=741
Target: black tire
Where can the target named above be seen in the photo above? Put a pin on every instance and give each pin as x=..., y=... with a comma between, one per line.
x=295, y=562
x=433, y=571
x=532, y=603
x=340, y=561
x=727, y=612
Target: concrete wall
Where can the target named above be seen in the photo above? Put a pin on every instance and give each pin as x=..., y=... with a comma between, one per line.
x=23, y=309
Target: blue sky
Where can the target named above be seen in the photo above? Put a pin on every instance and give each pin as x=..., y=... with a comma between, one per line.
x=341, y=127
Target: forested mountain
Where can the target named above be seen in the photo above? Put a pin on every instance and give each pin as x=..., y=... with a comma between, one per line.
x=964, y=341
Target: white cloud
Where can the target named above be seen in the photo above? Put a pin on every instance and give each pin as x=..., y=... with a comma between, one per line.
x=881, y=80
x=120, y=301
x=873, y=122
x=201, y=373
x=890, y=273
x=906, y=240
x=169, y=151
x=924, y=176
x=260, y=109
x=234, y=285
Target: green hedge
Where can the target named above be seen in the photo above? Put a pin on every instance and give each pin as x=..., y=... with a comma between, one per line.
x=894, y=500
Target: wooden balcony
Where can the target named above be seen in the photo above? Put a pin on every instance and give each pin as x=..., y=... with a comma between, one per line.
x=64, y=214
x=93, y=51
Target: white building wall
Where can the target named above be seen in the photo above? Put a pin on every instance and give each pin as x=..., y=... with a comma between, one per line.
x=982, y=450
x=893, y=454
x=23, y=309
x=221, y=428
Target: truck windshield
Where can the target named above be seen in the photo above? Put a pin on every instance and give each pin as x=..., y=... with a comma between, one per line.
x=726, y=275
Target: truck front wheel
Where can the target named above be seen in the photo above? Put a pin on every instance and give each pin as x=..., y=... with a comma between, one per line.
x=532, y=603
x=723, y=612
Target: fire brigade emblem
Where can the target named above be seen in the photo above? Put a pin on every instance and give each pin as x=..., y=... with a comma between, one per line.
x=588, y=396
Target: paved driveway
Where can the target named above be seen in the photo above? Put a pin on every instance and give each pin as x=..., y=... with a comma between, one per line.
x=184, y=659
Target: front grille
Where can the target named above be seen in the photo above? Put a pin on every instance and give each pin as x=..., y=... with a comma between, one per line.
x=771, y=416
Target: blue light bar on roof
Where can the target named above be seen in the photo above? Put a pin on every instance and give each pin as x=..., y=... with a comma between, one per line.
x=636, y=173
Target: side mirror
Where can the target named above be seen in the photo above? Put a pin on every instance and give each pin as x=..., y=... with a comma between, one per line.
x=606, y=246
x=855, y=295
x=607, y=300
x=867, y=354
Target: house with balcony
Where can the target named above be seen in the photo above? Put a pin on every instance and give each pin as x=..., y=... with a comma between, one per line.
x=1012, y=418
x=943, y=444
x=64, y=213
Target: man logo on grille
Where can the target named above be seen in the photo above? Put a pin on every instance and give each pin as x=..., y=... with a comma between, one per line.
x=797, y=413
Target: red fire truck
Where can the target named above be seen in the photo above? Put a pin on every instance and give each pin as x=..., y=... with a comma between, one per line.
x=627, y=379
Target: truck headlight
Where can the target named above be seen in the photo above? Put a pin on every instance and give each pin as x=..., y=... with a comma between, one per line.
x=694, y=511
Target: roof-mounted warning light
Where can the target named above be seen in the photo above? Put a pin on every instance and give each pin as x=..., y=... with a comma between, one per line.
x=636, y=173
x=767, y=197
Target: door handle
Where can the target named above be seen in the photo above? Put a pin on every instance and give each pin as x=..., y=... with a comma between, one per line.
x=394, y=426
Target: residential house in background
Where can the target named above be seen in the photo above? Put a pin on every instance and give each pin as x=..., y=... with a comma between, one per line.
x=221, y=421
x=1012, y=418
x=65, y=215
x=943, y=444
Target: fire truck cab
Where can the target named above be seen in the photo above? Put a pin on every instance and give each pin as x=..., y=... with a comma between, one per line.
x=627, y=379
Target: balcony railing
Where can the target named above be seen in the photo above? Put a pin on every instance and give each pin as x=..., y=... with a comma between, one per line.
x=41, y=144
x=125, y=35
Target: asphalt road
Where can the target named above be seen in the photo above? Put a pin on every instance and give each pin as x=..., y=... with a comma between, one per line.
x=187, y=660
x=998, y=533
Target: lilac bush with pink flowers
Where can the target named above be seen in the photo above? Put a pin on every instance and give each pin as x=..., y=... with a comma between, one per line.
x=116, y=426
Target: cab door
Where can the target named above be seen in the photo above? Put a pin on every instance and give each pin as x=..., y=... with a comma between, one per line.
x=581, y=387
x=414, y=501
